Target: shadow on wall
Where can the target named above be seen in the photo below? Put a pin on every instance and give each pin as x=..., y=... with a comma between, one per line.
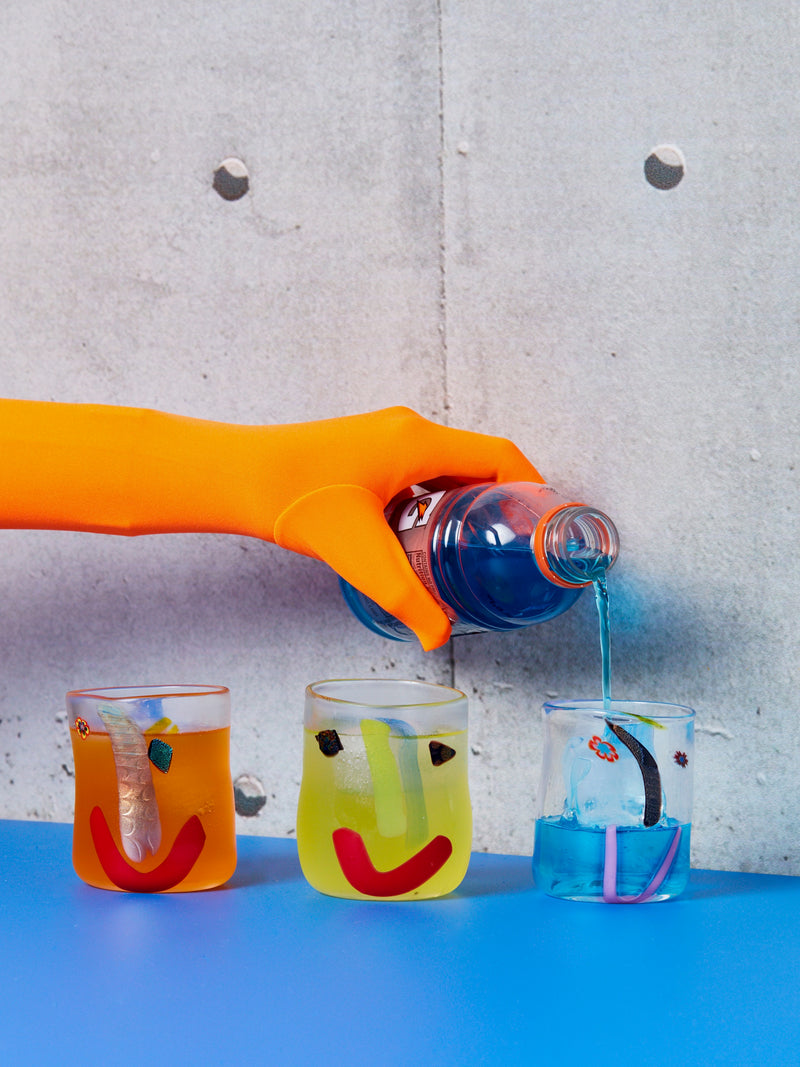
x=93, y=599
x=660, y=645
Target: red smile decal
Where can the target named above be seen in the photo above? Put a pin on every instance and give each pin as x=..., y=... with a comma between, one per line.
x=182, y=857
x=362, y=875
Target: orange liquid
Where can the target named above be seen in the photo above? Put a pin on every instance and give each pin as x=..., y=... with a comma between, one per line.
x=198, y=782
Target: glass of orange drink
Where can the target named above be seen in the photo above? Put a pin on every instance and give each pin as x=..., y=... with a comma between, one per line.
x=154, y=805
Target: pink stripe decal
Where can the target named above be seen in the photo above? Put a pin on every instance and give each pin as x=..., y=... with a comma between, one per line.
x=610, y=895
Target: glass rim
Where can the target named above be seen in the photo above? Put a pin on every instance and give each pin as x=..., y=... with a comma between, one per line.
x=123, y=693
x=650, y=709
x=456, y=696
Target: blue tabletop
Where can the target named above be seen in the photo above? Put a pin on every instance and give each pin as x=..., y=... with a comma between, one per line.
x=268, y=971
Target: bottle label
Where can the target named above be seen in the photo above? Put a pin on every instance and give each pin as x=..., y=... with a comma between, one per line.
x=412, y=521
x=416, y=512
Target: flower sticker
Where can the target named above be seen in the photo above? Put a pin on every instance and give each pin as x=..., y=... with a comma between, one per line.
x=681, y=759
x=603, y=749
x=82, y=726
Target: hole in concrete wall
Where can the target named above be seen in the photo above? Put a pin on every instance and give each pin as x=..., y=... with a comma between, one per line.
x=665, y=166
x=231, y=179
x=249, y=795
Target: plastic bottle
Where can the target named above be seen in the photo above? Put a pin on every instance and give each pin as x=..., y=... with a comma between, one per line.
x=495, y=556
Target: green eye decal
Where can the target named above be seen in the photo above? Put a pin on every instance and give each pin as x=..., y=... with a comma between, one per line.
x=329, y=743
x=440, y=753
x=160, y=754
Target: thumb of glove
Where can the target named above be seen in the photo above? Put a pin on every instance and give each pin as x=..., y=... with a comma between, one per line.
x=344, y=526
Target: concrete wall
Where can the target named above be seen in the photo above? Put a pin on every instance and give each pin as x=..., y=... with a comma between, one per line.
x=447, y=209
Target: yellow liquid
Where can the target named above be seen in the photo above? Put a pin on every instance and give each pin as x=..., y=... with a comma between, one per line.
x=339, y=791
x=198, y=782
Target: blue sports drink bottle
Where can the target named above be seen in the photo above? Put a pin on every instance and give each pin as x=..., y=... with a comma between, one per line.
x=496, y=556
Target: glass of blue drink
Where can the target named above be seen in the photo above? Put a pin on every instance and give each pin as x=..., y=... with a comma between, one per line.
x=615, y=801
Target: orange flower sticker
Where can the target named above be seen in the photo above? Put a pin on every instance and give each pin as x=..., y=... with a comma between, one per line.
x=603, y=749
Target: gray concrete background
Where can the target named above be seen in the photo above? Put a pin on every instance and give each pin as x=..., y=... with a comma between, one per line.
x=447, y=209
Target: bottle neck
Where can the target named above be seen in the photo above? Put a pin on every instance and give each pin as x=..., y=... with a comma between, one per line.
x=575, y=545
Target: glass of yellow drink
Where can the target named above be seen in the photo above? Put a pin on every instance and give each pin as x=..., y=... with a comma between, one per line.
x=154, y=807
x=615, y=801
x=384, y=810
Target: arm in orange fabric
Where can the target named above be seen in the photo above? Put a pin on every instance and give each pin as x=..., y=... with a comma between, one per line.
x=317, y=488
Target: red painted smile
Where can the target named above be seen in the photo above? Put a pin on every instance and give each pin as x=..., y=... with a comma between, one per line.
x=181, y=858
x=362, y=875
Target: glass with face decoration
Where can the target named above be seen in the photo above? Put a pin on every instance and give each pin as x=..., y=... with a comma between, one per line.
x=615, y=801
x=154, y=805
x=384, y=810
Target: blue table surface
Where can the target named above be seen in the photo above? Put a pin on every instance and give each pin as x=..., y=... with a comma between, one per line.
x=268, y=971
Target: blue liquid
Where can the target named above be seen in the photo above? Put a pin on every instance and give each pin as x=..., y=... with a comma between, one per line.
x=497, y=587
x=483, y=564
x=479, y=558
x=484, y=569
x=568, y=859
x=490, y=588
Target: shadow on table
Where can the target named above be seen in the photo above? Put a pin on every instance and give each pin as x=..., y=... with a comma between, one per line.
x=705, y=884
x=512, y=874
x=496, y=875
x=259, y=868
x=487, y=875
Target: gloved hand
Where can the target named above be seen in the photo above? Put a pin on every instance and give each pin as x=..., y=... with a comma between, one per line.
x=317, y=488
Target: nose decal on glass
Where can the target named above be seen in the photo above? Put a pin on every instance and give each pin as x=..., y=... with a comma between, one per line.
x=651, y=780
x=139, y=819
x=651, y=777
x=398, y=796
x=387, y=784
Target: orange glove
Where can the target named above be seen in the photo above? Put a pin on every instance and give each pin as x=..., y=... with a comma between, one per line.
x=317, y=488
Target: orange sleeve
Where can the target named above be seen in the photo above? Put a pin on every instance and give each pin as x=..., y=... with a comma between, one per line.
x=318, y=488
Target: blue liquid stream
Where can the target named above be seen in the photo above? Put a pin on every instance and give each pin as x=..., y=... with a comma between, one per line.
x=601, y=599
x=569, y=860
